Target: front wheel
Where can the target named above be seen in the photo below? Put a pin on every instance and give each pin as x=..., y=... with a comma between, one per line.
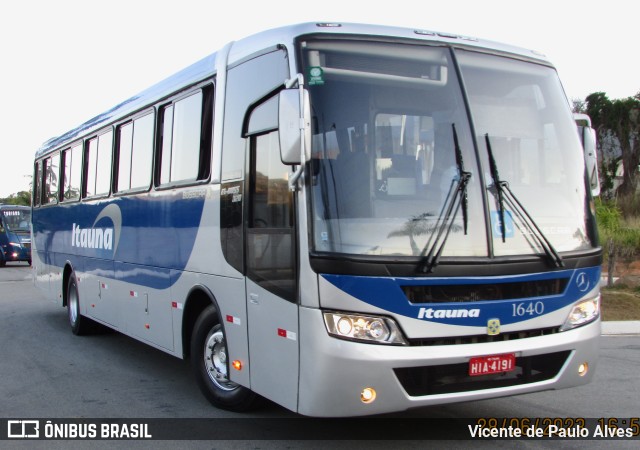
x=211, y=366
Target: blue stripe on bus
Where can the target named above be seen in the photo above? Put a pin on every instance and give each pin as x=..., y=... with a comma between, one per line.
x=386, y=293
x=144, y=236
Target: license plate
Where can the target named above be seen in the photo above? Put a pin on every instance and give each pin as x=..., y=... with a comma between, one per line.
x=486, y=365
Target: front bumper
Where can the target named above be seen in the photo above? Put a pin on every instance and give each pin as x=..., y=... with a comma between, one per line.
x=333, y=372
x=14, y=253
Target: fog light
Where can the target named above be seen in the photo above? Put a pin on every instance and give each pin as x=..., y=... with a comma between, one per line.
x=368, y=395
x=583, y=369
x=237, y=364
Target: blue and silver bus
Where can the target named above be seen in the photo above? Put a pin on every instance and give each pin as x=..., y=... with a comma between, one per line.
x=345, y=219
x=15, y=234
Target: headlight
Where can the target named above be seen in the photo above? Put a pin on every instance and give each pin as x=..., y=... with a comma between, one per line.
x=380, y=330
x=583, y=312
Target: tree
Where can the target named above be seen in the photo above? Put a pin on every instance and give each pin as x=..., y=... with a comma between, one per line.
x=618, y=123
x=21, y=198
x=619, y=239
x=578, y=106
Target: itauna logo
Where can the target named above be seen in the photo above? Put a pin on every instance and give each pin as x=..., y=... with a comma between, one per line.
x=99, y=238
x=430, y=313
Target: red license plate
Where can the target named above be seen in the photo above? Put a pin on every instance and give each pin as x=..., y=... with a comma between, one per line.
x=485, y=365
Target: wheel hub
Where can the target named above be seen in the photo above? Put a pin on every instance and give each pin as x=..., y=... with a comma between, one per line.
x=215, y=360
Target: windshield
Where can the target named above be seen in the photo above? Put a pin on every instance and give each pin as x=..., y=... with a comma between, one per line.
x=16, y=220
x=521, y=117
x=386, y=170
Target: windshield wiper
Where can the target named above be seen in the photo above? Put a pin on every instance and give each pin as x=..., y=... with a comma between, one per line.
x=464, y=179
x=500, y=186
x=454, y=201
x=504, y=193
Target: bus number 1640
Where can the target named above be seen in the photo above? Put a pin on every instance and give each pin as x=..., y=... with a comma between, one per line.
x=528, y=309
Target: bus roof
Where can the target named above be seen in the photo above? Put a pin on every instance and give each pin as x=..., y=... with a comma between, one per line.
x=245, y=47
x=13, y=207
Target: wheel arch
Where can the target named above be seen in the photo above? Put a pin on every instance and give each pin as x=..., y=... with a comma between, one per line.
x=198, y=299
x=66, y=274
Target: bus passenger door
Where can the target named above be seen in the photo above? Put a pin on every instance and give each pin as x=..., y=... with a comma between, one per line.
x=271, y=276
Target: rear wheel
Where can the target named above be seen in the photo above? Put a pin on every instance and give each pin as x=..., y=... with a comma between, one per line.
x=80, y=325
x=211, y=366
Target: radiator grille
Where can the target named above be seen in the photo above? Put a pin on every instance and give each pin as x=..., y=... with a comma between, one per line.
x=455, y=293
x=484, y=338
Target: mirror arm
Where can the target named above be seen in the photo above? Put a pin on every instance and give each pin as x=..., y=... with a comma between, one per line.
x=291, y=82
x=293, y=181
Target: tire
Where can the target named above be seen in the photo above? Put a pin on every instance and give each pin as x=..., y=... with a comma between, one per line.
x=211, y=367
x=80, y=325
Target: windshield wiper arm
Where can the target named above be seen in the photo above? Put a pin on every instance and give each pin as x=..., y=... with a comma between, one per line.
x=506, y=194
x=499, y=185
x=455, y=200
x=464, y=177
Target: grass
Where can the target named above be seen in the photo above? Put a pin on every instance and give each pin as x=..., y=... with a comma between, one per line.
x=620, y=303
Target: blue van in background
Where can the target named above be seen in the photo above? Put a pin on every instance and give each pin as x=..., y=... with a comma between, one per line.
x=15, y=234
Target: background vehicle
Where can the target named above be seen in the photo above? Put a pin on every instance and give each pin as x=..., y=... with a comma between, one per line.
x=345, y=219
x=15, y=234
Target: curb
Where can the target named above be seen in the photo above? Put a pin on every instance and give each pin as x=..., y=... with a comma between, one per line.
x=621, y=327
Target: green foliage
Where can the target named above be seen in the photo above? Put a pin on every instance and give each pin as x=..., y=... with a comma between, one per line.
x=608, y=215
x=618, y=120
x=623, y=232
x=607, y=173
x=21, y=198
x=620, y=235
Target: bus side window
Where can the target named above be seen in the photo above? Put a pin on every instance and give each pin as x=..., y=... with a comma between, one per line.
x=185, y=138
x=98, y=165
x=181, y=154
x=37, y=184
x=135, y=154
x=50, y=185
x=72, y=169
x=142, y=152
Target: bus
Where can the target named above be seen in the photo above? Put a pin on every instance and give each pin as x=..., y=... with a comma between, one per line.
x=15, y=234
x=344, y=219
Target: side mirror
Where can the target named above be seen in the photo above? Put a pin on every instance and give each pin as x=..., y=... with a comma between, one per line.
x=588, y=140
x=591, y=159
x=293, y=123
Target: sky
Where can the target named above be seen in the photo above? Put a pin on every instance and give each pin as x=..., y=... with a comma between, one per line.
x=63, y=62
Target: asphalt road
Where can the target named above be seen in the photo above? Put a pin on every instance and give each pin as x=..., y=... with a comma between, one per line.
x=47, y=372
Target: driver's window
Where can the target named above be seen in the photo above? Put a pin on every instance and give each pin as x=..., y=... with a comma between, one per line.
x=271, y=197
x=270, y=232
